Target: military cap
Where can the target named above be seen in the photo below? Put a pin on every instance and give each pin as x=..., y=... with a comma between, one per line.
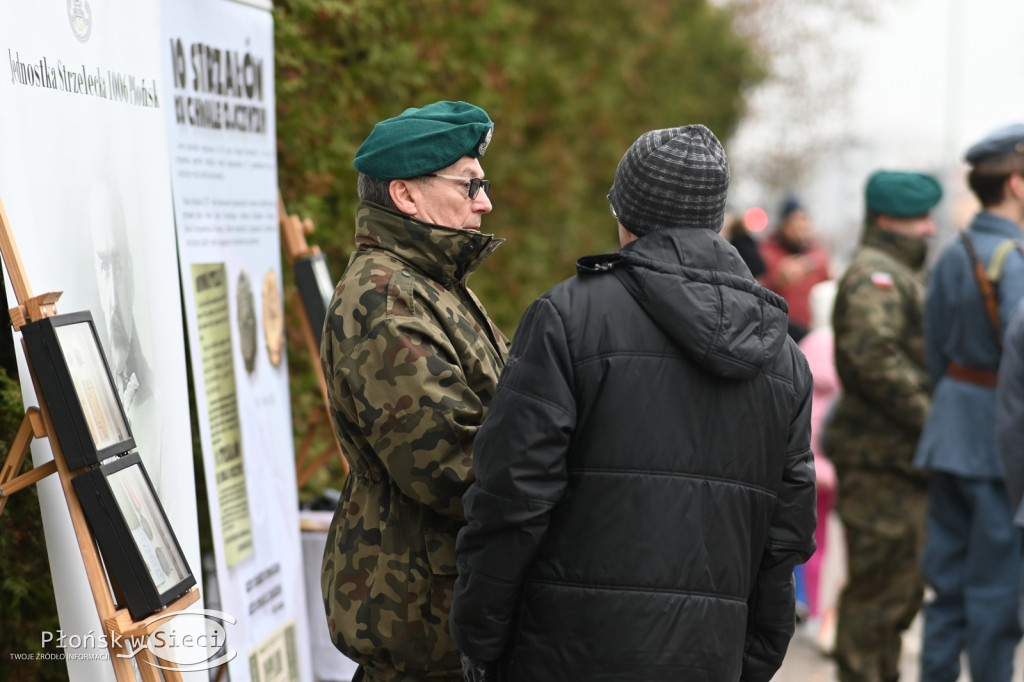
x=901, y=194
x=997, y=148
x=423, y=140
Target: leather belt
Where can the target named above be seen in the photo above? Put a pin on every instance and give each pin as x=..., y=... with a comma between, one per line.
x=972, y=375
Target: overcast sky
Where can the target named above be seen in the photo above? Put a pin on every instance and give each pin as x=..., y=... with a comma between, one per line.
x=940, y=74
x=933, y=76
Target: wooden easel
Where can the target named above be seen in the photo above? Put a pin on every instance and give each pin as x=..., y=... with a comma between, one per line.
x=293, y=240
x=38, y=424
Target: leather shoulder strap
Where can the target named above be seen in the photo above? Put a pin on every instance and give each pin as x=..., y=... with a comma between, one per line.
x=988, y=294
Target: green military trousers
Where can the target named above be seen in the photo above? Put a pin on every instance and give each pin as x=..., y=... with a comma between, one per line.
x=883, y=515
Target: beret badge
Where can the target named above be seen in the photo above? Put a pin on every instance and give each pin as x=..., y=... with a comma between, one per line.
x=486, y=141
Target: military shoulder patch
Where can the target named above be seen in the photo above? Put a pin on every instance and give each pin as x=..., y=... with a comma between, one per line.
x=882, y=280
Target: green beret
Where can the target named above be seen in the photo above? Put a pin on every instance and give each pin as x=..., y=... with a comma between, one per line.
x=424, y=140
x=902, y=194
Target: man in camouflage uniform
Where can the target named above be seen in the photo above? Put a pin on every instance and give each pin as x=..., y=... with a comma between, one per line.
x=879, y=355
x=411, y=361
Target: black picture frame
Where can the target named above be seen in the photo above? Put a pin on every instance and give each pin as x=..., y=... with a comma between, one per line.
x=316, y=288
x=76, y=383
x=139, y=548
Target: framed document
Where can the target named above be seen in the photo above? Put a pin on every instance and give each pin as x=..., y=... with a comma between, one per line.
x=76, y=383
x=139, y=548
x=316, y=288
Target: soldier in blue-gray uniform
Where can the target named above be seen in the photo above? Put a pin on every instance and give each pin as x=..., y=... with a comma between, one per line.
x=972, y=551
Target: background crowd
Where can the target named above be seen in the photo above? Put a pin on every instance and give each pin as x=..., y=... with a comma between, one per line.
x=920, y=450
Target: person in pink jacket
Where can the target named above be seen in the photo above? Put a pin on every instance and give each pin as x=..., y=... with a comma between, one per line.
x=817, y=346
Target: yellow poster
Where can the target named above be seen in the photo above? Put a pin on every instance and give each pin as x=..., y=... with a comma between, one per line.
x=214, y=326
x=275, y=659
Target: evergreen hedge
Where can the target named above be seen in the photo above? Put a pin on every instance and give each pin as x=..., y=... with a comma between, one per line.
x=570, y=84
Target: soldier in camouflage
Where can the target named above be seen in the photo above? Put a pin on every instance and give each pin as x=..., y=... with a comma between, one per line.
x=879, y=355
x=412, y=361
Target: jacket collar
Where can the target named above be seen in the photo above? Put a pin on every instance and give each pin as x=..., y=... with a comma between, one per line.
x=685, y=248
x=444, y=254
x=907, y=250
x=989, y=223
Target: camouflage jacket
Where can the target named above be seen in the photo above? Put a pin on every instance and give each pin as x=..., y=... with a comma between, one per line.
x=878, y=321
x=411, y=362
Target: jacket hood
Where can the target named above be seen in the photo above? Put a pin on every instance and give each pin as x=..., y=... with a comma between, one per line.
x=697, y=289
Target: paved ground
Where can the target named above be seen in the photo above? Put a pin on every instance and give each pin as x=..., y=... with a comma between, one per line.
x=805, y=662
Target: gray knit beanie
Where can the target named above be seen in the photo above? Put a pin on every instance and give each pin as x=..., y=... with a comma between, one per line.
x=674, y=177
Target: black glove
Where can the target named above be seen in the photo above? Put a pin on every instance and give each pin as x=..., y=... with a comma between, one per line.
x=479, y=671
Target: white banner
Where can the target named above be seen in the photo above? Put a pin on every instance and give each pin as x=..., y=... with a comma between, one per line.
x=219, y=90
x=84, y=178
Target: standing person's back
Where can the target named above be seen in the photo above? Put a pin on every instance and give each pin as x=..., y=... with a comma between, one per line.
x=644, y=480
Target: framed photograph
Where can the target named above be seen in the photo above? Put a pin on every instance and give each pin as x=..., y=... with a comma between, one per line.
x=76, y=383
x=139, y=548
x=316, y=288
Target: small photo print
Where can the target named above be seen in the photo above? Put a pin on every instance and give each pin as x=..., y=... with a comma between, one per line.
x=144, y=516
x=95, y=392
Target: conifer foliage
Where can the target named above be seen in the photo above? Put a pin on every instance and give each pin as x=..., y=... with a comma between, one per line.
x=569, y=84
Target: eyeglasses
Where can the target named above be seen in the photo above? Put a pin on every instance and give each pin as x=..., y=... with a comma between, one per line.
x=611, y=207
x=472, y=185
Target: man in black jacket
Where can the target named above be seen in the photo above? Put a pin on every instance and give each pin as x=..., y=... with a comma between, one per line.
x=644, y=480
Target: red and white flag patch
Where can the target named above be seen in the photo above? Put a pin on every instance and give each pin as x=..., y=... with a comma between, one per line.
x=882, y=280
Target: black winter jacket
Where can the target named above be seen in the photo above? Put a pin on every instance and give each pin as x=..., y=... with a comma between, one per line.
x=644, y=481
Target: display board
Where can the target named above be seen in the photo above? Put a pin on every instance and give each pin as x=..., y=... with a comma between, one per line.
x=219, y=89
x=86, y=185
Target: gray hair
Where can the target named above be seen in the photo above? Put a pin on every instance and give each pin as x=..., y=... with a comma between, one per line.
x=376, y=190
